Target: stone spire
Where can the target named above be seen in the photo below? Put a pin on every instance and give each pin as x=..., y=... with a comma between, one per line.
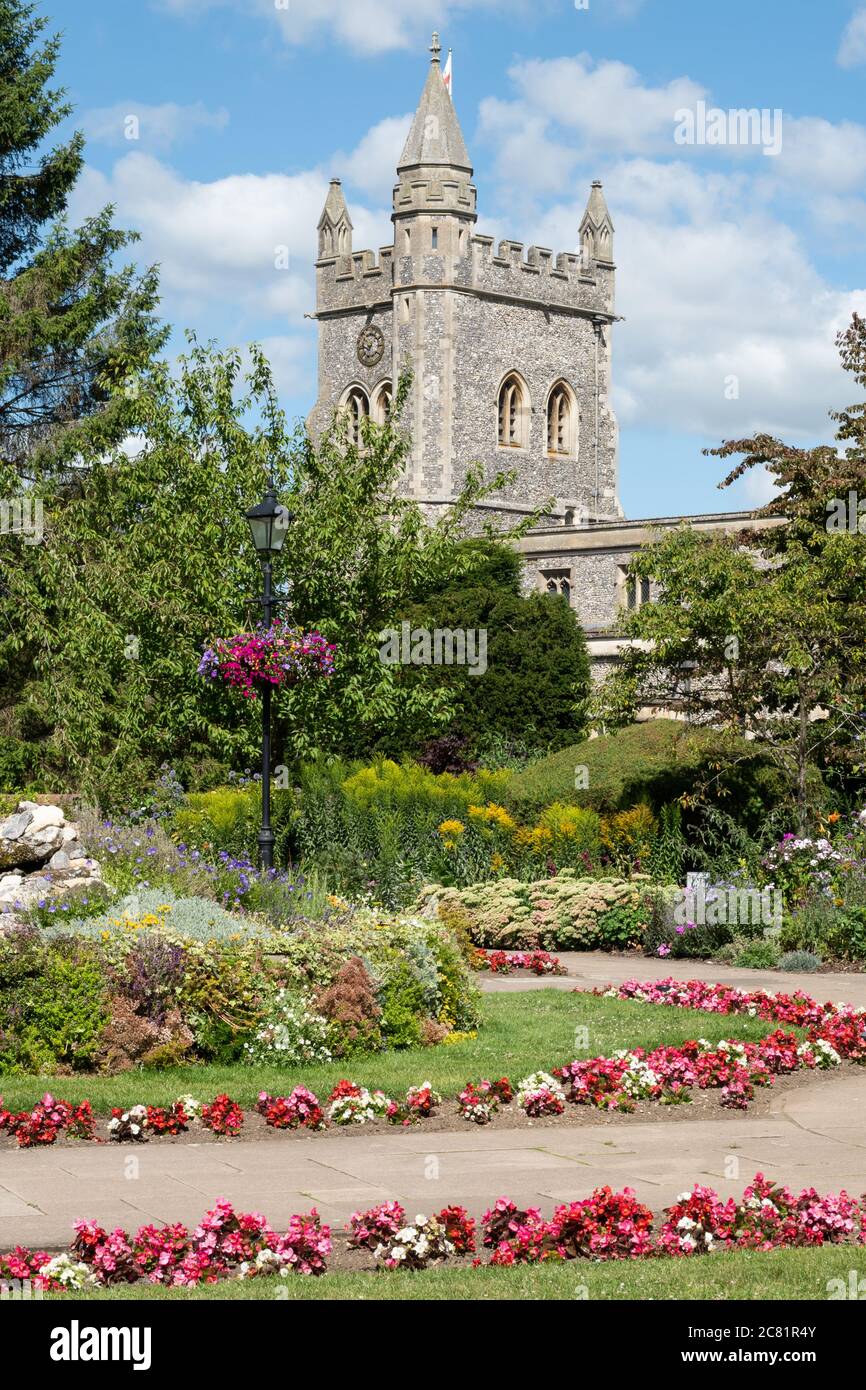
x=435, y=137
x=335, y=224
x=596, y=228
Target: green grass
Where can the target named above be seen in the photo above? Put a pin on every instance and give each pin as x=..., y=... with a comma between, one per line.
x=521, y=1033
x=741, y=1274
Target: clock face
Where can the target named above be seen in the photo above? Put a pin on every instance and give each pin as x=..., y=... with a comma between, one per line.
x=371, y=345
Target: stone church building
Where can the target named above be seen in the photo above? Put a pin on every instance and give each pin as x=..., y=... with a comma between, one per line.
x=510, y=351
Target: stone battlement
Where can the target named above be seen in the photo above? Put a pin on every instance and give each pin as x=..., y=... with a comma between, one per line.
x=566, y=278
x=355, y=280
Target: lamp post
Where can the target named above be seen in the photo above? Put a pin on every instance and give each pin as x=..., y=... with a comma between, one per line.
x=268, y=524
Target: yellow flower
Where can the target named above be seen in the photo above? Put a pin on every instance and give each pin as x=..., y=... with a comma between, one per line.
x=497, y=863
x=493, y=814
x=451, y=827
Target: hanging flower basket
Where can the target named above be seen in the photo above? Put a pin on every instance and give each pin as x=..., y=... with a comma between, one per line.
x=268, y=657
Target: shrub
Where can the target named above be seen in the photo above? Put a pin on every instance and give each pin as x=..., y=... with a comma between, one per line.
x=53, y=1004
x=577, y=826
x=621, y=928
x=537, y=678
x=629, y=836
x=653, y=763
x=848, y=936
x=758, y=955
x=291, y=1033
x=403, y=1007
x=562, y=913
x=129, y=1039
x=228, y=818
x=803, y=961
x=350, y=1006
x=147, y=996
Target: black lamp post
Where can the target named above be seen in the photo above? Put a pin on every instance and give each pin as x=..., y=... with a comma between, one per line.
x=268, y=523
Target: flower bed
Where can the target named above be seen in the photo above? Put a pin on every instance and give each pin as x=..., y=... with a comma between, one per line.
x=114, y=992
x=608, y=1225
x=666, y=1074
x=503, y=962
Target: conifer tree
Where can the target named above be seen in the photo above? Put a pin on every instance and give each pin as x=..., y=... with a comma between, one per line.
x=72, y=324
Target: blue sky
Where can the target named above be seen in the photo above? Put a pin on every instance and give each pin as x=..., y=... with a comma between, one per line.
x=735, y=268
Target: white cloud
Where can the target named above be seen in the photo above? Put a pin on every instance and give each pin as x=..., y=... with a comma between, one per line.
x=568, y=111
x=607, y=105
x=366, y=26
x=852, y=49
x=372, y=164
x=220, y=243
x=728, y=326
x=128, y=122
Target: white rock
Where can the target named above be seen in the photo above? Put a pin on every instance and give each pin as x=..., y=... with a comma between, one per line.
x=43, y=816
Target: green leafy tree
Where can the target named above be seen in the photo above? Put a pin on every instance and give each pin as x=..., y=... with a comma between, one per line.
x=535, y=682
x=359, y=558
x=764, y=632
x=148, y=555
x=72, y=326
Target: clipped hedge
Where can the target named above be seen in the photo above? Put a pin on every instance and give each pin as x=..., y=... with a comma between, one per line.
x=655, y=763
x=565, y=913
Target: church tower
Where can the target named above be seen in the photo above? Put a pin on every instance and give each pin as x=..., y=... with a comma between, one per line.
x=434, y=217
x=509, y=347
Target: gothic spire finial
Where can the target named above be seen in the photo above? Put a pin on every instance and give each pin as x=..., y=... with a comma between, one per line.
x=435, y=48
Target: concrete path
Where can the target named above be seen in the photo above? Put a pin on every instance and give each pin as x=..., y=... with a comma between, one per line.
x=817, y=1136
x=596, y=969
x=814, y=1136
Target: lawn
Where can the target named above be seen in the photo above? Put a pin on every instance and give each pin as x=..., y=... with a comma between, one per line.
x=741, y=1274
x=520, y=1034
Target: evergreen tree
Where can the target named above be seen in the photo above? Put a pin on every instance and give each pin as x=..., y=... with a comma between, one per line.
x=72, y=326
x=536, y=682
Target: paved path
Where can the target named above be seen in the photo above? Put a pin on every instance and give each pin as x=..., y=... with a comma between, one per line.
x=815, y=1135
x=594, y=969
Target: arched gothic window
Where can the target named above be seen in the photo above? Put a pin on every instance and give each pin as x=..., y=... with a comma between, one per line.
x=561, y=421
x=357, y=407
x=513, y=413
x=382, y=403
x=557, y=582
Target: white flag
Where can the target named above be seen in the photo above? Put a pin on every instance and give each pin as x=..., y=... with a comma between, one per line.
x=446, y=76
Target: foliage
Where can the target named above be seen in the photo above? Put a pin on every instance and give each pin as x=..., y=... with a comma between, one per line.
x=652, y=764
x=361, y=556
x=564, y=913
x=350, y=1004
x=290, y=1033
x=71, y=325
x=536, y=682
x=148, y=554
x=758, y=955
x=764, y=632
x=53, y=1004
x=803, y=961
x=145, y=992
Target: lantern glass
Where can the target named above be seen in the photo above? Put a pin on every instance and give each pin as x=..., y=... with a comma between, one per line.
x=268, y=523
